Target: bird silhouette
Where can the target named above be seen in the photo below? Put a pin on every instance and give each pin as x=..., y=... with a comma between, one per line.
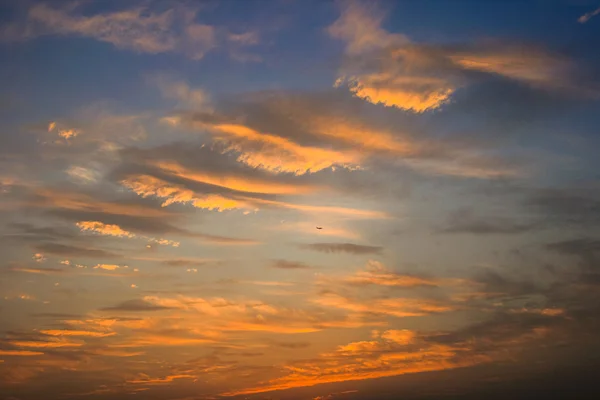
x=319, y=227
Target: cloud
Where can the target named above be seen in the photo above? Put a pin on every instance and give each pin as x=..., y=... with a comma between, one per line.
x=185, y=262
x=275, y=153
x=244, y=184
x=82, y=174
x=378, y=274
x=68, y=332
x=215, y=184
x=138, y=29
x=343, y=248
x=41, y=271
x=181, y=91
x=146, y=380
x=368, y=360
x=76, y=201
x=389, y=69
x=107, y=267
x=20, y=353
x=145, y=186
x=576, y=246
x=293, y=345
x=587, y=16
x=39, y=344
x=137, y=305
x=464, y=221
x=396, y=307
x=286, y=264
x=103, y=229
x=333, y=122
x=37, y=257
x=74, y=251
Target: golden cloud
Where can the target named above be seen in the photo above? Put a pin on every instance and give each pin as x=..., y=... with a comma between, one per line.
x=104, y=229
x=146, y=186
x=240, y=184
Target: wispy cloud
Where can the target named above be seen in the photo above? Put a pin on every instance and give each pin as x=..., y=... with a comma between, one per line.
x=41, y=271
x=343, y=248
x=286, y=264
x=139, y=29
x=376, y=273
x=587, y=16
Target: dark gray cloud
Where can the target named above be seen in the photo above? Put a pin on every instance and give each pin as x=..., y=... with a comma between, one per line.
x=181, y=262
x=574, y=206
x=135, y=305
x=286, y=264
x=586, y=250
x=342, y=248
x=465, y=221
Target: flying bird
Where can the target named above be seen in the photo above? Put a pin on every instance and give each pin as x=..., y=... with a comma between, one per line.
x=319, y=227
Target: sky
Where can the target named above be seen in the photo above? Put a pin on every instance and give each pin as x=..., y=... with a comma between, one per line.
x=287, y=199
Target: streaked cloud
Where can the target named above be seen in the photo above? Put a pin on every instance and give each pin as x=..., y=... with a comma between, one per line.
x=277, y=154
x=286, y=264
x=343, y=248
x=237, y=183
x=145, y=186
x=587, y=16
x=82, y=174
x=376, y=273
x=42, y=271
x=136, y=305
x=367, y=360
x=68, y=332
x=396, y=307
x=20, y=353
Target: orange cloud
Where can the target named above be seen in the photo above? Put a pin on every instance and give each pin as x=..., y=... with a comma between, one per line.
x=356, y=134
x=368, y=360
x=19, y=353
x=396, y=307
x=277, y=154
x=68, y=133
x=386, y=68
x=349, y=212
x=107, y=267
x=146, y=186
x=44, y=344
x=377, y=274
x=147, y=380
x=82, y=202
x=67, y=332
x=241, y=184
x=412, y=93
x=104, y=229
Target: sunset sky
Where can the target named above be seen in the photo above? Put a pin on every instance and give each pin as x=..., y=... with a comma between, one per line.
x=290, y=199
